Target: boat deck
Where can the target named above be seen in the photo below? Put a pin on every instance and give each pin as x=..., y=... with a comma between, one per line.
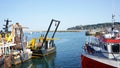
x=101, y=58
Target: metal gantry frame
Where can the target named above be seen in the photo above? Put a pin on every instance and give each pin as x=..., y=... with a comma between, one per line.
x=53, y=20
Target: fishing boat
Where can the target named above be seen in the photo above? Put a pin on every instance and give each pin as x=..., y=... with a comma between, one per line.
x=14, y=44
x=46, y=45
x=90, y=32
x=102, y=51
x=47, y=48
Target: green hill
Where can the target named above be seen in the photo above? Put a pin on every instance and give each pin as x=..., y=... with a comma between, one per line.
x=95, y=26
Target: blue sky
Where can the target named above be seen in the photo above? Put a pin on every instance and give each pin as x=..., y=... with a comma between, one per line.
x=37, y=14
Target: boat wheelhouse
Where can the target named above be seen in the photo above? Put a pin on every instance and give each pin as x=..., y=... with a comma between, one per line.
x=110, y=45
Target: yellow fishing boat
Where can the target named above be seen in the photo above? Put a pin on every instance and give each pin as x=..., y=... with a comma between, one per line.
x=45, y=45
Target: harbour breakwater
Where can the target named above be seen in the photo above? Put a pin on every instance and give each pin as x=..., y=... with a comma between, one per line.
x=57, y=30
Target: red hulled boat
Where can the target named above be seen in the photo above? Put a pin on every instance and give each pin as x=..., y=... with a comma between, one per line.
x=102, y=51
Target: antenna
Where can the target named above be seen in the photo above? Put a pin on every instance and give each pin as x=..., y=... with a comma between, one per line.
x=113, y=14
x=6, y=25
x=113, y=18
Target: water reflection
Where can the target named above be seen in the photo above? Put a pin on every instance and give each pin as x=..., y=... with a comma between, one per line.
x=43, y=62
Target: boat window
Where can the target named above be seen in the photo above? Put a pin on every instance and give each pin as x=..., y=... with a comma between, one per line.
x=116, y=48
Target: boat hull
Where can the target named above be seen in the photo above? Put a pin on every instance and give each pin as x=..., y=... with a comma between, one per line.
x=21, y=57
x=26, y=56
x=44, y=52
x=91, y=63
x=1, y=60
x=16, y=59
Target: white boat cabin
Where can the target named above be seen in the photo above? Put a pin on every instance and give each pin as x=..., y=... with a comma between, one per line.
x=110, y=45
x=111, y=48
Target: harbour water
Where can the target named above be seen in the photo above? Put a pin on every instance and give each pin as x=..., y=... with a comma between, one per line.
x=69, y=47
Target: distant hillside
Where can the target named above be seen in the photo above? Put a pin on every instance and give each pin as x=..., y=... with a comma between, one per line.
x=95, y=26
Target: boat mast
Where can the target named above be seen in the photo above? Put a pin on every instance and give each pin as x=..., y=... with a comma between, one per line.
x=6, y=25
x=113, y=21
x=113, y=14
